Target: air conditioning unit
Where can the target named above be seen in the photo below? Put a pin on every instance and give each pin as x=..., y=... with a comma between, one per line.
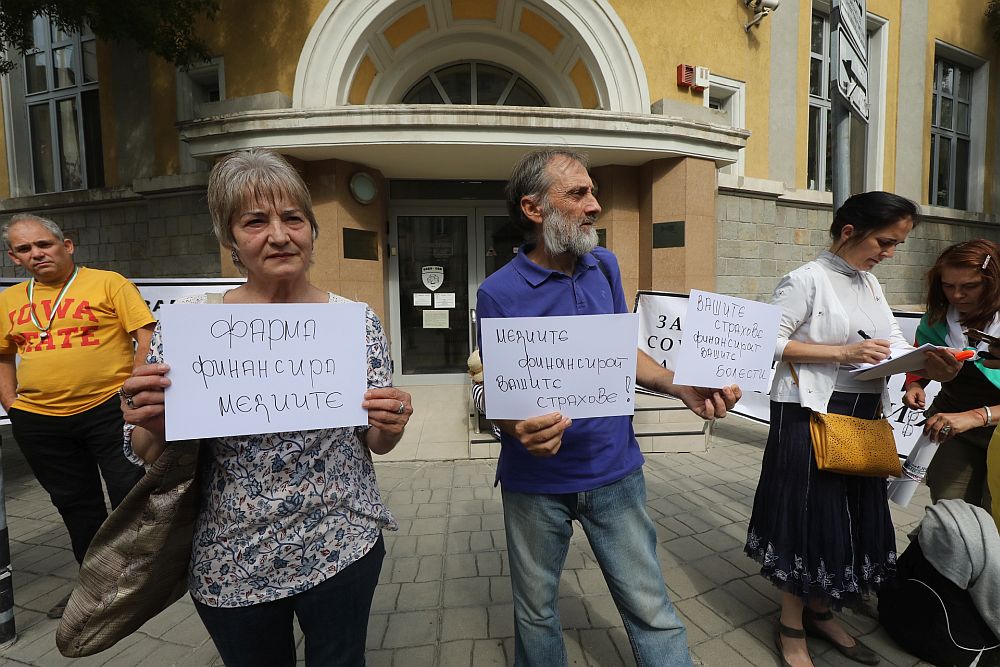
x=701, y=81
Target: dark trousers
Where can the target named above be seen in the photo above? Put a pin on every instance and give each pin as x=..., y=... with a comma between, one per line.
x=65, y=454
x=333, y=616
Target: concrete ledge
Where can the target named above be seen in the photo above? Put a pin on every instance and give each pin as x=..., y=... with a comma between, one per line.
x=742, y=186
x=170, y=184
x=746, y=186
x=69, y=200
x=273, y=100
x=433, y=141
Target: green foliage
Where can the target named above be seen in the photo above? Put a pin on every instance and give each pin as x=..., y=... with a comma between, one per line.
x=993, y=19
x=163, y=27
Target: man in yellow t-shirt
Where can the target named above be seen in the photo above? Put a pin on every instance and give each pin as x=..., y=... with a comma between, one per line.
x=73, y=329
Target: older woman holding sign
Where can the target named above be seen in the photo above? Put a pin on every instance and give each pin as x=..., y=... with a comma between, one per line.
x=304, y=535
x=823, y=537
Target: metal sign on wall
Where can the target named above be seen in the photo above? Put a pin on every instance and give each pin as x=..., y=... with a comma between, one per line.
x=849, y=53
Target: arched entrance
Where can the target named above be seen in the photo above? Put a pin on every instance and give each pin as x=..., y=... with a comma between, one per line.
x=578, y=51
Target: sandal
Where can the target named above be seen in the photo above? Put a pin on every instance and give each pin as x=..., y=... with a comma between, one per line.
x=858, y=653
x=784, y=631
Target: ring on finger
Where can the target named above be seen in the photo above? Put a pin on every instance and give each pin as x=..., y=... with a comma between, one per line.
x=401, y=409
x=127, y=397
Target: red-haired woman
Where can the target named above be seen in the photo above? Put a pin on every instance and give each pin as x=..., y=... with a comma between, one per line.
x=964, y=294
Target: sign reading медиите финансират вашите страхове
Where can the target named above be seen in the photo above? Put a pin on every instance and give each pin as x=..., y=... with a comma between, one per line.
x=250, y=368
x=579, y=366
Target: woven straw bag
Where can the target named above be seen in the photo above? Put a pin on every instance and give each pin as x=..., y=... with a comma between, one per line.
x=854, y=446
x=137, y=563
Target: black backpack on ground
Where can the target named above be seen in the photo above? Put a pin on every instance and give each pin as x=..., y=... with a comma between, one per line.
x=934, y=619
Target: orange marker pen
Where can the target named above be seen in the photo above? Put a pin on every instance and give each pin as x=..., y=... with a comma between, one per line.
x=964, y=355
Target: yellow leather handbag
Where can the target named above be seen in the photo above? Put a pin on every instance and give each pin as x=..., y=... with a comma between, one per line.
x=854, y=446
x=851, y=445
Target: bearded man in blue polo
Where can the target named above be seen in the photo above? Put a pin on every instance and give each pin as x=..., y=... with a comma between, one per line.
x=553, y=470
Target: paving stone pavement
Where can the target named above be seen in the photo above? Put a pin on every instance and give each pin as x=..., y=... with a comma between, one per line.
x=444, y=594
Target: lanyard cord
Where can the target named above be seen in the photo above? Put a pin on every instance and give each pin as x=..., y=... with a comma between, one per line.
x=55, y=307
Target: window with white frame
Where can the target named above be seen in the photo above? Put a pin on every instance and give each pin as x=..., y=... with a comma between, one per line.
x=729, y=96
x=201, y=84
x=820, y=149
x=951, y=130
x=866, y=140
x=61, y=108
x=474, y=82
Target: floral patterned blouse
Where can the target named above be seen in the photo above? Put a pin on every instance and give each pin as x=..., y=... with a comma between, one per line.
x=283, y=512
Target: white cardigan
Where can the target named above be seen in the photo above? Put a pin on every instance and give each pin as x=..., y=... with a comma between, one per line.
x=812, y=313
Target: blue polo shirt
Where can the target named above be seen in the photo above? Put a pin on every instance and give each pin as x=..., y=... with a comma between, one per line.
x=595, y=452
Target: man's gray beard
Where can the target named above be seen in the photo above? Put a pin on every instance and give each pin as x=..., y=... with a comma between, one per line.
x=562, y=234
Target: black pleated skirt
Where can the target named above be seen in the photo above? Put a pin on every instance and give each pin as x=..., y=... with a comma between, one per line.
x=819, y=534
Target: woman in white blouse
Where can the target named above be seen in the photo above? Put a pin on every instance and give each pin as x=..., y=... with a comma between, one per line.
x=291, y=523
x=824, y=538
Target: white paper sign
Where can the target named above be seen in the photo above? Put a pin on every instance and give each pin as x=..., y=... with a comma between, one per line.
x=661, y=325
x=727, y=340
x=435, y=319
x=580, y=366
x=444, y=299
x=245, y=369
x=662, y=313
x=421, y=299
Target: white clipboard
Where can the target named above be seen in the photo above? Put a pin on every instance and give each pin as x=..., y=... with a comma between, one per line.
x=902, y=360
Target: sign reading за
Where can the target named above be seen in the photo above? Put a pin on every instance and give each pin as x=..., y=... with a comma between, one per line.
x=579, y=366
x=660, y=325
x=727, y=340
x=244, y=369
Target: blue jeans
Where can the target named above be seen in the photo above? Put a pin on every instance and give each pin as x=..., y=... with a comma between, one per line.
x=333, y=616
x=539, y=527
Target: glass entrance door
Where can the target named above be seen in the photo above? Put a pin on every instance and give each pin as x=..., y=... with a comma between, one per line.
x=433, y=292
x=440, y=255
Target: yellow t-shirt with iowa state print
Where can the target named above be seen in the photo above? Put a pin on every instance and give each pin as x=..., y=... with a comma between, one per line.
x=88, y=353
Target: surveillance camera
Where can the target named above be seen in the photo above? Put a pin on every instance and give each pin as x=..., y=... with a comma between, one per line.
x=765, y=6
x=761, y=8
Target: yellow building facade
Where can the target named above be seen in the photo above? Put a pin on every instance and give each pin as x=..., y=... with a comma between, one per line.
x=405, y=116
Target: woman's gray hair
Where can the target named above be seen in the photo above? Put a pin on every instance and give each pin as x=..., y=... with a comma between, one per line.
x=530, y=178
x=253, y=175
x=30, y=217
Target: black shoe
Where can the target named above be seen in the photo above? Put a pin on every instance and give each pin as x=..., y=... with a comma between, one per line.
x=784, y=631
x=59, y=607
x=858, y=653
